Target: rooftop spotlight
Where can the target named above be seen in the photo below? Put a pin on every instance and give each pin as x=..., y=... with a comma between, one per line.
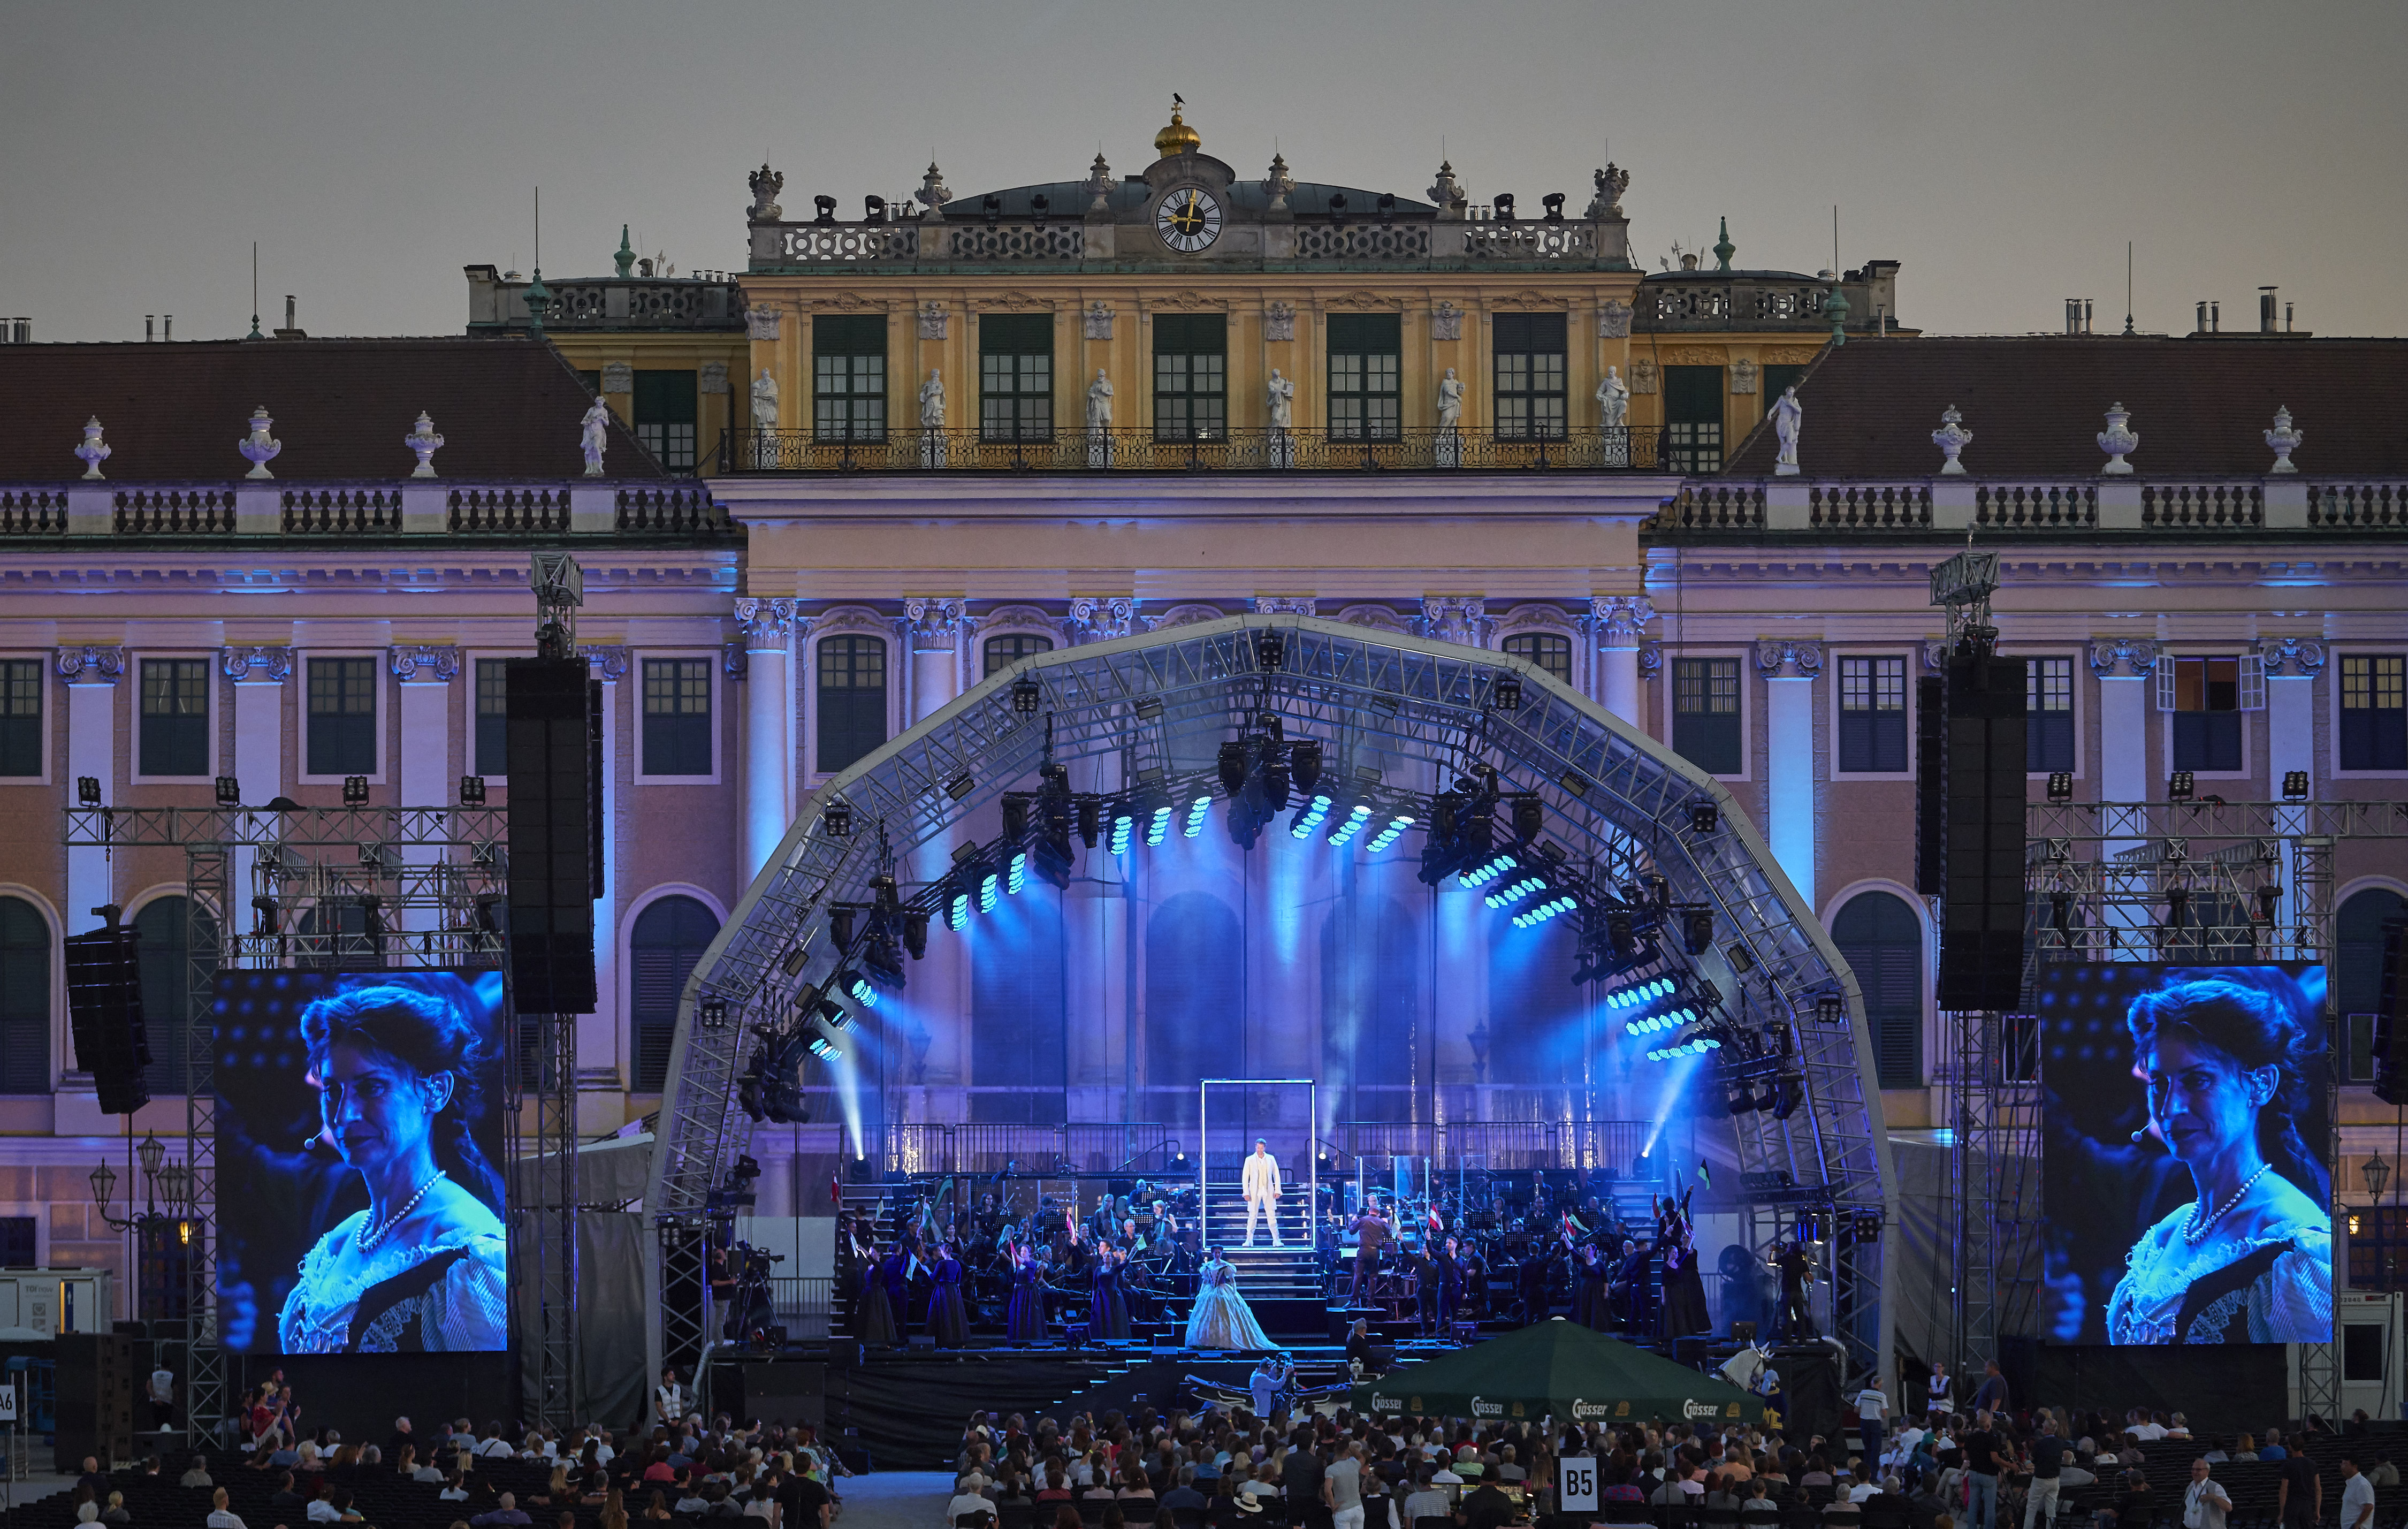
x=2060, y=786
x=1705, y=815
x=1026, y=697
x=2179, y=786
x=1508, y=692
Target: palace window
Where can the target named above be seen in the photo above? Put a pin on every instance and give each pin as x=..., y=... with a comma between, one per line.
x=24, y=998
x=849, y=376
x=1364, y=400
x=1016, y=376
x=342, y=718
x=2048, y=715
x=1705, y=713
x=20, y=717
x=1883, y=942
x=2374, y=710
x=677, y=716
x=1872, y=715
x=1693, y=419
x=1191, y=377
x=175, y=722
x=2207, y=697
x=665, y=416
x=852, y=699
x=1005, y=651
x=668, y=940
x=1547, y=650
x=1529, y=369
x=492, y=743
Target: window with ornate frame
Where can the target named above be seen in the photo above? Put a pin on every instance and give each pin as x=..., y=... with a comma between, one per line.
x=1529, y=367
x=849, y=376
x=1364, y=400
x=1016, y=376
x=1191, y=376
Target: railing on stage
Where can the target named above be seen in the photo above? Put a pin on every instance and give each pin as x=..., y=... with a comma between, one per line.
x=924, y=1147
x=805, y=1304
x=1496, y=1145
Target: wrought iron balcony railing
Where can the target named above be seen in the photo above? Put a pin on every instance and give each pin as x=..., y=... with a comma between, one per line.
x=1632, y=448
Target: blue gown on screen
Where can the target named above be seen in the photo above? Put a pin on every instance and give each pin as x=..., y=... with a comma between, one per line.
x=439, y=1293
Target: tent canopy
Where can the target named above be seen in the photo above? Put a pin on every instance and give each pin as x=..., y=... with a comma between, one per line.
x=1561, y=1369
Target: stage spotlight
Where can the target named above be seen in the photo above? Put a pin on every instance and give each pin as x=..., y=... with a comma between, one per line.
x=2060, y=911
x=1344, y=833
x=1389, y=835
x=1791, y=1093
x=710, y=1012
x=915, y=933
x=1831, y=1009
x=1509, y=692
x=960, y=786
x=2060, y=786
x=858, y=987
x=1091, y=822
x=87, y=790
x=1697, y=930
x=2295, y=786
x=2269, y=895
x=1530, y=816
x=1124, y=822
x=1490, y=870
x=749, y=1087
x=1026, y=697
x=792, y=962
x=1739, y=1098
x=266, y=918
x=1622, y=931
x=1270, y=650
x=1157, y=823
x=823, y=1048
x=828, y=1013
x=2179, y=785
x=841, y=920
x=1234, y=766
x=1015, y=875
x=1015, y=818
x=958, y=912
x=1310, y=816
x=1705, y=815
x=472, y=790
x=1197, y=811
x=229, y=791
x=837, y=818
x=355, y=790
x=1304, y=762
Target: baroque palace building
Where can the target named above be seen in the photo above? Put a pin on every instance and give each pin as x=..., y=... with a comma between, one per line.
x=903, y=451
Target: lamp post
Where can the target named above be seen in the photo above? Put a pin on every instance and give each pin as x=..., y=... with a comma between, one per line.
x=156, y=1231
x=2376, y=1173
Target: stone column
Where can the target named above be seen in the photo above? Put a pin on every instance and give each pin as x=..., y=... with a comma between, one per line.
x=932, y=631
x=1789, y=670
x=2124, y=667
x=425, y=781
x=601, y=1035
x=1620, y=622
x=90, y=674
x=936, y=631
x=259, y=676
x=2292, y=665
x=767, y=758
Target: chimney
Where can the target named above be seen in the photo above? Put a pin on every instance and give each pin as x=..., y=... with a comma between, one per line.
x=2198, y=325
x=2085, y=315
x=2265, y=311
x=2074, y=315
x=2286, y=318
x=291, y=330
x=2214, y=318
x=150, y=327
x=167, y=326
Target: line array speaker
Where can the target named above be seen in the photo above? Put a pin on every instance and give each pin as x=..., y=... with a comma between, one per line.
x=105, y=1014
x=1982, y=898
x=2391, y=1022
x=1930, y=784
x=552, y=736
x=96, y=1400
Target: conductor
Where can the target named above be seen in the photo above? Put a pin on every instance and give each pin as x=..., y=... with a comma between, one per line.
x=1262, y=1191
x=1371, y=1234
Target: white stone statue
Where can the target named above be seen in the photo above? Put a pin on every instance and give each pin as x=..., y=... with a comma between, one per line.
x=1100, y=402
x=1449, y=401
x=932, y=402
x=93, y=450
x=1283, y=401
x=1788, y=414
x=1614, y=401
x=2284, y=439
x=425, y=443
x=1952, y=438
x=2118, y=441
x=594, y=433
x=764, y=401
x=259, y=448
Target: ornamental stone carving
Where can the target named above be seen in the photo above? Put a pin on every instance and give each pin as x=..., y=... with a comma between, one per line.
x=1935, y=657
x=1184, y=615
x=1099, y=320
x=934, y=320
x=1952, y=438
x=2123, y=657
x=1742, y=376
x=1611, y=181
x=933, y=194
x=92, y=450
x=256, y=665
x=1377, y=617
x=714, y=378
x=761, y=321
x=1651, y=657
x=1284, y=605
x=618, y=376
x=1446, y=322
x=1787, y=659
x=2295, y=658
x=420, y=663
x=2118, y=441
x=609, y=661
x=1100, y=620
x=424, y=444
x=1278, y=185
x=1645, y=377
x=91, y=665
x=764, y=621
x=935, y=626
x=1457, y=618
x=1613, y=319
x=260, y=447
x=1448, y=194
x=735, y=662
x=1619, y=619
x=1278, y=322
x=765, y=183
x=2282, y=439
x=593, y=436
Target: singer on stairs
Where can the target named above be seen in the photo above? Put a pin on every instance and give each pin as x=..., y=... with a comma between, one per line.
x=1262, y=1191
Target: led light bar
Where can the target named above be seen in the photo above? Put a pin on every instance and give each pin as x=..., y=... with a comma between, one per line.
x=1490, y=872
x=1120, y=825
x=1196, y=814
x=1514, y=892
x=1310, y=819
x=1696, y=1048
x=1641, y=994
x=1656, y=1022
x=863, y=993
x=957, y=914
x=988, y=888
x=1156, y=825
x=1018, y=876
x=1389, y=835
x=821, y=1047
x=1344, y=833
x=1530, y=917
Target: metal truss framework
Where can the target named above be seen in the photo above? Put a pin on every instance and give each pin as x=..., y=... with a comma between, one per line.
x=1611, y=795
x=2212, y=882
x=429, y=872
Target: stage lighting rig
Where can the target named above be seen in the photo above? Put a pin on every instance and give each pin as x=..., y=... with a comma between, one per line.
x=1696, y=928
x=1705, y=815
x=1257, y=769
x=1463, y=826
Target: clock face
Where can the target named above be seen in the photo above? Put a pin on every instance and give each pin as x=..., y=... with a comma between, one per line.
x=1188, y=220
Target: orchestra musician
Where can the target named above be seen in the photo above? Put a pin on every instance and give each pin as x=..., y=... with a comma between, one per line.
x=1372, y=1233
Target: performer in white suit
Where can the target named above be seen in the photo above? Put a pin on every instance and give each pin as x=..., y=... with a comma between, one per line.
x=1262, y=1189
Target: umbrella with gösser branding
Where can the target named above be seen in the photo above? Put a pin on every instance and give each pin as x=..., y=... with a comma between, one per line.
x=1560, y=1369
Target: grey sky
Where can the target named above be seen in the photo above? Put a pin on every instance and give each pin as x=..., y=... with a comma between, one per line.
x=2003, y=151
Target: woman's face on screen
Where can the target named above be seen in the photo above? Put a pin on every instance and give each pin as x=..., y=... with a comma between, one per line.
x=376, y=1108
x=2202, y=1100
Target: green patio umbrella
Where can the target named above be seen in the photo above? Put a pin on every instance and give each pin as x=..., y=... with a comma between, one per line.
x=1561, y=1369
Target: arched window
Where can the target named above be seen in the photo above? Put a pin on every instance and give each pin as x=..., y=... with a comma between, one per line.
x=852, y=699
x=1019, y=1054
x=1371, y=1008
x=1005, y=651
x=1194, y=1002
x=164, y=957
x=1547, y=650
x=2357, y=970
x=1882, y=940
x=671, y=934
x=24, y=998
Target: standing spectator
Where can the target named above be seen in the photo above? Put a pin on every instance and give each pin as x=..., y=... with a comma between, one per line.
x=2299, y=1494
x=1872, y=1411
x=2047, y=1458
x=2205, y=1501
x=2356, y=1496
x=1983, y=1459
x=1992, y=1394
x=1341, y=1488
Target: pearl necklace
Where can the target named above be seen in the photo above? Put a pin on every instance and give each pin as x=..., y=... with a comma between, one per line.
x=2197, y=1231
x=365, y=1240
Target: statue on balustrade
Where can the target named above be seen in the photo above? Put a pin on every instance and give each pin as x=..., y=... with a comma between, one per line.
x=1100, y=402
x=1614, y=401
x=1449, y=401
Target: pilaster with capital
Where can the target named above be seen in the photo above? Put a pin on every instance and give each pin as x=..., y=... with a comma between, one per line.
x=768, y=625
x=1096, y=619
x=423, y=664
x=90, y=673
x=1789, y=667
x=1620, y=622
x=2123, y=657
x=2291, y=657
x=934, y=624
x=256, y=665
x=1457, y=618
x=91, y=665
x=2123, y=666
x=609, y=661
x=763, y=762
x=1787, y=659
x=1286, y=605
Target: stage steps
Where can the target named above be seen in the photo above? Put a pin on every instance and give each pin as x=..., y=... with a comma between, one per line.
x=1290, y=1272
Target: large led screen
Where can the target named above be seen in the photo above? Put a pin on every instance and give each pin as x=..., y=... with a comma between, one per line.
x=2186, y=1163
x=360, y=1199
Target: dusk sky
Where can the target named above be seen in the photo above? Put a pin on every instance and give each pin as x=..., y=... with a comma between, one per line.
x=2004, y=153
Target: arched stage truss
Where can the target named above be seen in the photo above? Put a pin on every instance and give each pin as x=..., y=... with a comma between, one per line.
x=1623, y=809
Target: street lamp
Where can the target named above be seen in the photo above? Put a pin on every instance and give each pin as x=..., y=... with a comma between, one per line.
x=2376, y=1173
x=104, y=1189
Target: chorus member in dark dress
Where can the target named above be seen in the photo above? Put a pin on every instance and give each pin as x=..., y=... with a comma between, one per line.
x=1797, y=1324
x=878, y=1329
x=1024, y=1319
x=1686, y=1314
x=1107, y=1308
x=1591, y=1308
x=1449, y=1284
x=949, y=1322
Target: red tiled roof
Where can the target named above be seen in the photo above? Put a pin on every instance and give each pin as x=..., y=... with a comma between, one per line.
x=506, y=407
x=2036, y=406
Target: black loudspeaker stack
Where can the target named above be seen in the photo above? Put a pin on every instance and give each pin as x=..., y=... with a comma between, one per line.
x=105, y=1013
x=553, y=736
x=1931, y=785
x=2391, y=1016
x=96, y=1400
x=1981, y=900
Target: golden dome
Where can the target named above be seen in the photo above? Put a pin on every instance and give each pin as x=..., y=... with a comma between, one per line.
x=1177, y=138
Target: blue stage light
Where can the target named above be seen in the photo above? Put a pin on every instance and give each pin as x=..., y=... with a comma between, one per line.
x=1195, y=814
x=1120, y=825
x=1156, y=825
x=863, y=993
x=1389, y=835
x=1490, y=872
x=988, y=888
x=1019, y=876
x=1309, y=817
x=1356, y=817
x=958, y=917
x=822, y=1048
